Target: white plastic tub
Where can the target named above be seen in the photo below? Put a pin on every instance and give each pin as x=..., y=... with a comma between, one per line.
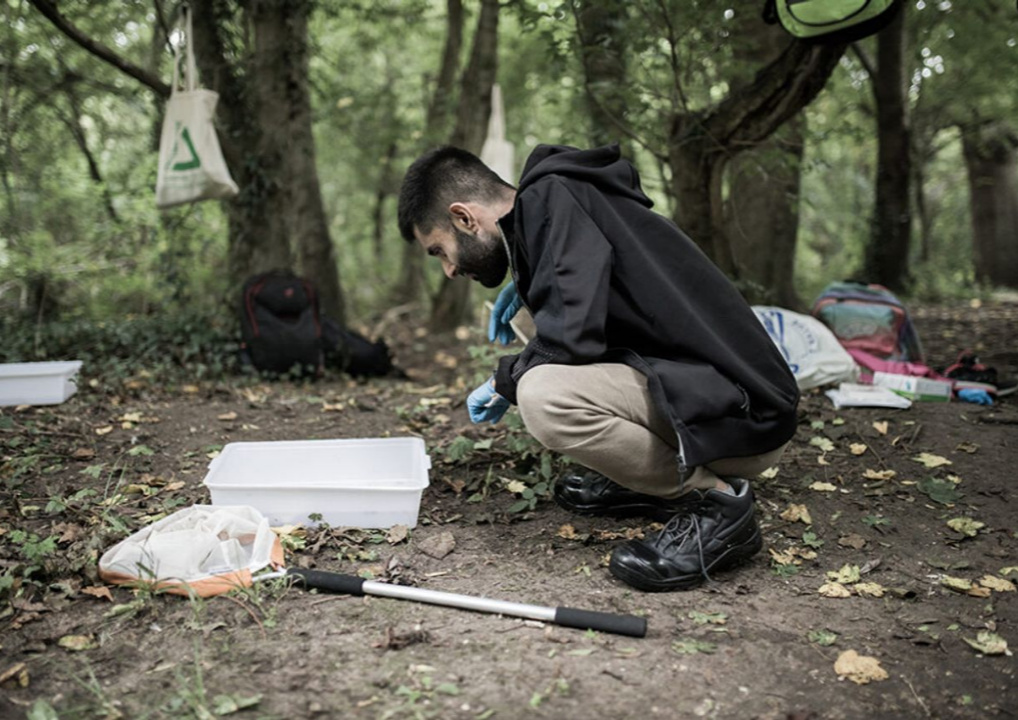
x=370, y=483
x=38, y=383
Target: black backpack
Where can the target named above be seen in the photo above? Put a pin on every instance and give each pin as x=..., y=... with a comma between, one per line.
x=281, y=328
x=834, y=21
x=354, y=354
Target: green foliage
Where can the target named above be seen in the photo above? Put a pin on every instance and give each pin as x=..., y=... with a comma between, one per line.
x=32, y=553
x=80, y=238
x=185, y=344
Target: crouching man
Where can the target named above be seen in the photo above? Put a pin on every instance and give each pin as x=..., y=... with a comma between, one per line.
x=647, y=366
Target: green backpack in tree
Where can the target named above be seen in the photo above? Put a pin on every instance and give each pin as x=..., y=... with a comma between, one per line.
x=833, y=21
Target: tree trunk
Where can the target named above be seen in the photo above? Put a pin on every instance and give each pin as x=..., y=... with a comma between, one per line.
x=762, y=216
x=258, y=231
x=886, y=260
x=700, y=144
x=922, y=209
x=441, y=105
x=452, y=305
x=411, y=280
x=762, y=207
x=600, y=26
x=991, y=156
x=284, y=115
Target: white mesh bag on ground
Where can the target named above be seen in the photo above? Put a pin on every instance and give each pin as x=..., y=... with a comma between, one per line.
x=811, y=350
x=202, y=550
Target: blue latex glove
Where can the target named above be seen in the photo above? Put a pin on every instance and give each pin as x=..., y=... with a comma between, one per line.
x=975, y=395
x=486, y=405
x=506, y=306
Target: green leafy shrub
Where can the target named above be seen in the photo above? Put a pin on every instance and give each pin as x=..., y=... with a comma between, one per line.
x=201, y=344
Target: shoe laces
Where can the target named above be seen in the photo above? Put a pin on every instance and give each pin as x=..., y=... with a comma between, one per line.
x=678, y=529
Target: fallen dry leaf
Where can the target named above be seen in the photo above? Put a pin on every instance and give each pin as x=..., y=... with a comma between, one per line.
x=69, y=532
x=825, y=444
x=784, y=557
x=1011, y=570
x=879, y=474
x=294, y=530
x=397, y=534
x=880, y=427
x=857, y=448
x=567, y=532
x=174, y=486
x=516, y=486
x=834, y=590
x=968, y=447
x=966, y=526
x=98, y=591
x=106, y=430
x=852, y=540
x=625, y=534
x=337, y=407
x=769, y=473
x=845, y=575
x=77, y=643
x=83, y=454
x=869, y=588
x=931, y=461
x=860, y=669
x=227, y=416
x=438, y=546
x=961, y=585
x=823, y=487
x=131, y=417
x=797, y=513
x=956, y=584
x=995, y=583
x=989, y=643
x=15, y=675
x=190, y=389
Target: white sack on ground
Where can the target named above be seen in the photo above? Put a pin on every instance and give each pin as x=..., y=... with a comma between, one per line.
x=203, y=549
x=813, y=354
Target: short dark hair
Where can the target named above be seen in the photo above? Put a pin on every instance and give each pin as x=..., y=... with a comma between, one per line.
x=438, y=178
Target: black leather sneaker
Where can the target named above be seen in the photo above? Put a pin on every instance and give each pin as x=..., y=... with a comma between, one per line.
x=594, y=494
x=715, y=533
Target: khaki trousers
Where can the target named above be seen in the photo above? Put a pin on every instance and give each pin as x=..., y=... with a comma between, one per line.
x=602, y=416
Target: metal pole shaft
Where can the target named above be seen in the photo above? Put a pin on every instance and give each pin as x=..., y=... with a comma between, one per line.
x=467, y=602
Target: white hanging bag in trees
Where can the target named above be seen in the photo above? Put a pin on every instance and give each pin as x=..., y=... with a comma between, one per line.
x=191, y=165
x=498, y=153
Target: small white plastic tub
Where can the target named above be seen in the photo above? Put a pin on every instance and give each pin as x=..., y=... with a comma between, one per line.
x=366, y=483
x=38, y=383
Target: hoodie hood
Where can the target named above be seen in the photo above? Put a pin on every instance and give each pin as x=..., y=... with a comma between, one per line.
x=603, y=167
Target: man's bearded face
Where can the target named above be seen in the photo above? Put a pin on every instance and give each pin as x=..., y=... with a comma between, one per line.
x=481, y=257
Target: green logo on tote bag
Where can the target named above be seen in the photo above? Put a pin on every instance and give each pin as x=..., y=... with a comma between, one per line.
x=192, y=162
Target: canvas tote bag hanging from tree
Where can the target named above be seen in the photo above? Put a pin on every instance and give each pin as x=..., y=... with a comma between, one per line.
x=191, y=164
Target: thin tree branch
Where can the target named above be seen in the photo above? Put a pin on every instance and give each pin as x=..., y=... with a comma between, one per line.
x=674, y=57
x=50, y=11
x=73, y=123
x=867, y=65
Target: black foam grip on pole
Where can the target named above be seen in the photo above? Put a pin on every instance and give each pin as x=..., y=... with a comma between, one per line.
x=603, y=622
x=332, y=582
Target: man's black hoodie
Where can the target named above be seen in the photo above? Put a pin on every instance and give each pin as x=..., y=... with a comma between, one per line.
x=609, y=280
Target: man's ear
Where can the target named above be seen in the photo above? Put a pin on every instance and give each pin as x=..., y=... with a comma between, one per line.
x=463, y=217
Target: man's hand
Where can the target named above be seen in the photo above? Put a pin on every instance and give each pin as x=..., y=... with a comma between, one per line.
x=486, y=405
x=506, y=306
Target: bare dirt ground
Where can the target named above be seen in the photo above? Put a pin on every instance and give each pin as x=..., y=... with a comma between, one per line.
x=851, y=509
